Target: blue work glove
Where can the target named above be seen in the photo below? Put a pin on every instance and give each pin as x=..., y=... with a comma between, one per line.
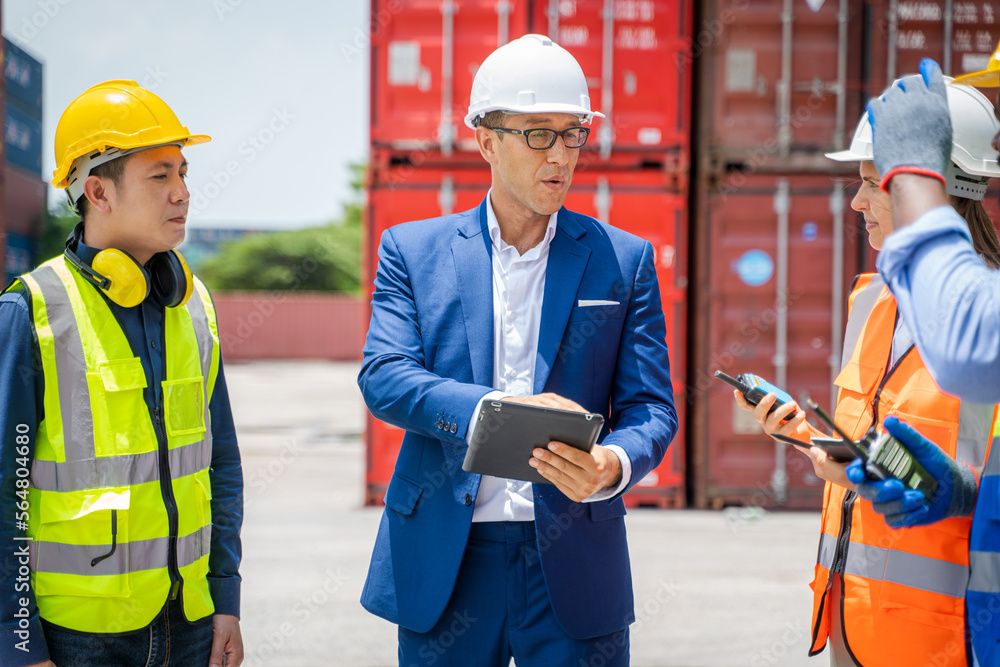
x=902, y=507
x=911, y=126
x=888, y=497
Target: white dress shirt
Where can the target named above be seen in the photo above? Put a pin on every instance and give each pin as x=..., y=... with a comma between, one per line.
x=518, y=291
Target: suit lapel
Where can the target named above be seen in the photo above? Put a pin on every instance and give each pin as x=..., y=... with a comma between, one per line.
x=563, y=274
x=473, y=265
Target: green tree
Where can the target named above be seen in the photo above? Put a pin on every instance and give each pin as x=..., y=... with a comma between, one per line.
x=326, y=258
x=57, y=224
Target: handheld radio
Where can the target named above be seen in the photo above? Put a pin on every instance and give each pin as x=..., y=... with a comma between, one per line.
x=754, y=388
x=884, y=456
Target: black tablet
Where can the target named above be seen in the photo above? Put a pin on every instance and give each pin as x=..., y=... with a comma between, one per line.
x=506, y=433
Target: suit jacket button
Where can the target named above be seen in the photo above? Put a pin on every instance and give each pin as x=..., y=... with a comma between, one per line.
x=454, y=428
x=468, y=500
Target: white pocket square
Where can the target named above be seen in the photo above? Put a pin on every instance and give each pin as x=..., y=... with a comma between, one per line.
x=583, y=303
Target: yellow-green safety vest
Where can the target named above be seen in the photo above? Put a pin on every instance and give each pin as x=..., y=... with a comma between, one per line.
x=101, y=548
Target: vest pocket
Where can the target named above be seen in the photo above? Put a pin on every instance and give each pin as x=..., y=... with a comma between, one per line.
x=942, y=433
x=184, y=407
x=84, y=551
x=121, y=418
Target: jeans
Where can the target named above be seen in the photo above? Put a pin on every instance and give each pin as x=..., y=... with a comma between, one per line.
x=170, y=640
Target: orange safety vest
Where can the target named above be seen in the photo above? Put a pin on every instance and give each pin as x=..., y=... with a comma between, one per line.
x=903, y=592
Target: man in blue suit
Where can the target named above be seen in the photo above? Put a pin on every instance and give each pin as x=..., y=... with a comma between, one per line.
x=519, y=300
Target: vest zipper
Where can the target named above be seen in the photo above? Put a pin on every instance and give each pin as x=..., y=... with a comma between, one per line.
x=844, y=539
x=166, y=485
x=114, y=540
x=885, y=380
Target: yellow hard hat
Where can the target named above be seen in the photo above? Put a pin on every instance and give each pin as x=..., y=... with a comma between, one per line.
x=115, y=114
x=987, y=78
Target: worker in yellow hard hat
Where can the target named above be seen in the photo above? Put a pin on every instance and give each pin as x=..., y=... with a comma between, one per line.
x=120, y=475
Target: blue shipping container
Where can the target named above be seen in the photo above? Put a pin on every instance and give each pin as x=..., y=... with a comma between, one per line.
x=19, y=256
x=23, y=78
x=22, y=136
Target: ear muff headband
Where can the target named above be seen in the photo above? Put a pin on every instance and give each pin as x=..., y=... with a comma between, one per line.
x=172, y=283
x=127, y=283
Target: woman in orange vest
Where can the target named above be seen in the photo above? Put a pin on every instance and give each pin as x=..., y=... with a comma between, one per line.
x=887, y=597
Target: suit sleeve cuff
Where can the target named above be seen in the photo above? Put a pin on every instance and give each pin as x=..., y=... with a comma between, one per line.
x=495, y=395
x=225, y=595
x=626, y=464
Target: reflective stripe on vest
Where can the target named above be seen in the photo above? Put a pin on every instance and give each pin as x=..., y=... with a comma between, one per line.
x=101, y=535
x=878, y=562
x=152, y=554
x=907, y=569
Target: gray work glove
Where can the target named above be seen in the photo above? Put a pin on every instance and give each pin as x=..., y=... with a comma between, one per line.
x=911, y=126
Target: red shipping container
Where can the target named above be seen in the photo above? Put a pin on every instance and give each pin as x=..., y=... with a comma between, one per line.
x=780, y=260
x=637, y=202
x=635, y=54
x=904, y=33
x=424, y=55
x=778, y=87
x=23, y=202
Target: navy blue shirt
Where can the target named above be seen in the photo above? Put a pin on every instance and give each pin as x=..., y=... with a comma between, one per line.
x=21, y=405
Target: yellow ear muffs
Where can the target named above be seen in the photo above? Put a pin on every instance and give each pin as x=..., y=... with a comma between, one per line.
x=127, y=281
x=172, y=283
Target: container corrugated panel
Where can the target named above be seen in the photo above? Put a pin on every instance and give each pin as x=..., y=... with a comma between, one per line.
x=24, y=202
x=638, y=202
x=779, y=88
x=960, y=36
x=23, y=79
x=23, y=140
x=398, y=194
x=635, y=54
x=739, y=314
x=289, y=325
x=424, y=55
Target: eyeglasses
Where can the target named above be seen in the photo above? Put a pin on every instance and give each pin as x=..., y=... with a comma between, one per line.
x=542, y=138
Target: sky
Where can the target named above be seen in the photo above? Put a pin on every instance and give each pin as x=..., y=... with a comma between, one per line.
x=281, y=86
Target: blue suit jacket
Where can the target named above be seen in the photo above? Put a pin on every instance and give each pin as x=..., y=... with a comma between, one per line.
x=428, y=360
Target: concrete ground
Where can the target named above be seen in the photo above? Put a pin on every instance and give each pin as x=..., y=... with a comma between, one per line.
x=712, y=589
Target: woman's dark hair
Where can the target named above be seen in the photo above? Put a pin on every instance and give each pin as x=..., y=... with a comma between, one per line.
x=984, y=234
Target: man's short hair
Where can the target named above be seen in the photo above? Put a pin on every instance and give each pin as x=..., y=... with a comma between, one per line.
x=494, y=119
x=113, y=171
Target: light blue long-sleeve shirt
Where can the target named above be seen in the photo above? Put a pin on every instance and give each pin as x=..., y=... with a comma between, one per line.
x=951, y=301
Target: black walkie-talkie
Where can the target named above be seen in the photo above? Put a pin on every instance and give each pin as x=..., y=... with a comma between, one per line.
x=884, y=456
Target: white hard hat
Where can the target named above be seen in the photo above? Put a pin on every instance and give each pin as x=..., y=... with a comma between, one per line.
x=973, y=126
x=531, y=74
